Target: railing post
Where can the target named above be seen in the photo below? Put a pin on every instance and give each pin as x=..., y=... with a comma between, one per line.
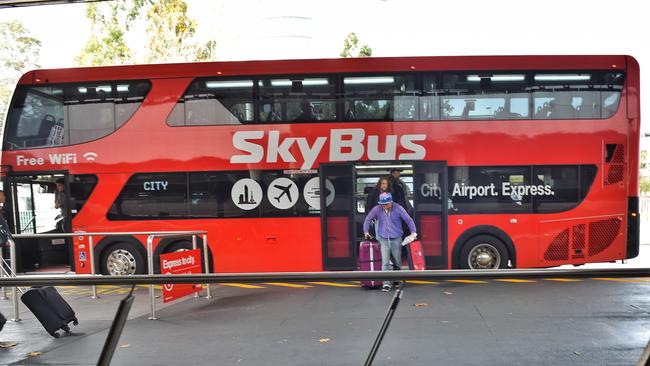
x=2, y=274
x=91, y=253
x=14, y=290
x=152, y=316
x=208, y=294
x=196, y=294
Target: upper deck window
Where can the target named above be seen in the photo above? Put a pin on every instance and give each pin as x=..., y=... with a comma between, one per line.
x=214, y=102
x=64, y=114
x=297, y=99
x=380, y=98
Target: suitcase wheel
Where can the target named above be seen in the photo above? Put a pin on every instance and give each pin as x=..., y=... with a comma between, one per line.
x=55, y=334
x=66, y=328
x=75, y=322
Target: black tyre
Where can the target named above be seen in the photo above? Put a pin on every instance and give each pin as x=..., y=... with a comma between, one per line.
x=484, y=252
x=122, y=259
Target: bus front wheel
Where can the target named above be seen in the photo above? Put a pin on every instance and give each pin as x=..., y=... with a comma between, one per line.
x=484, y=252
x=122, y=259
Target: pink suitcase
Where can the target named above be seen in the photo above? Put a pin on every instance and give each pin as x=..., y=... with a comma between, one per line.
x=370, y=260
x=416, y=256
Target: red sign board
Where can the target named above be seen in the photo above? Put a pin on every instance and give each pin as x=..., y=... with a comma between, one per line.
x=184, y=262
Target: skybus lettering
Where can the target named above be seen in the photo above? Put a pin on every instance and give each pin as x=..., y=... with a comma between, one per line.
x=344, y=145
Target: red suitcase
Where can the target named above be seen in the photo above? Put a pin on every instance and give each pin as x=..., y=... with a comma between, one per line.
x=416, y=256
x=370, y=260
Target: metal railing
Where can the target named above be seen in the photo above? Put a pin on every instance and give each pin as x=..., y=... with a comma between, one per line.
x=87, y=280
x=151, y=236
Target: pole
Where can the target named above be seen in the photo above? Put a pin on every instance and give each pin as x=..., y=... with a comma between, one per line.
x=91, y=254
x=152, y=316
x=14, y=292
x=384, y=327
x=196, y=294
x=207, y=264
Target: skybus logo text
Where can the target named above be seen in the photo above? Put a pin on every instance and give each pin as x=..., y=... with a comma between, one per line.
x=344, y=145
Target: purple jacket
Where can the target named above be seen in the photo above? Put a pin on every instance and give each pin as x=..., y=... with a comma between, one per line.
x=389, y=224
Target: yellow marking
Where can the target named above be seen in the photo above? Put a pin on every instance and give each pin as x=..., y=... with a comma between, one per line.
x=284, y=284
x=118, y=290
x=241, y=285
x=514, y=280
x=618, y=279
x=334, y=284
x=562, y=279
x=419, y=282
x=108, y=286
x=467, y=281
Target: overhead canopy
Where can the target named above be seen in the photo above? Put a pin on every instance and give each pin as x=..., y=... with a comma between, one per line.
x=20, y=3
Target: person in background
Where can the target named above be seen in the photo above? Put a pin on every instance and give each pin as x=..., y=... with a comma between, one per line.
x=390, y=216
x=399, y=189
x=383, y=186
x=60, y=202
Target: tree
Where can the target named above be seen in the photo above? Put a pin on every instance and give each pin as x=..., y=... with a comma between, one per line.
x=19, y=53
x=351, y=45
x=169, y=33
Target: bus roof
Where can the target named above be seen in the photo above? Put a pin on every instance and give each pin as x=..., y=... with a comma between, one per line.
x=315, y=66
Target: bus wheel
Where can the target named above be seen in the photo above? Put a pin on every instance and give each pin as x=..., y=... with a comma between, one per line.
x=122, y=259
x=484, y=252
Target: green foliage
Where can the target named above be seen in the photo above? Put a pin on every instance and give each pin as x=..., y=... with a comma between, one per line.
x=18, y=53
x=351, y=45
x=169, y=33
x=643, y=163
x=106, y=45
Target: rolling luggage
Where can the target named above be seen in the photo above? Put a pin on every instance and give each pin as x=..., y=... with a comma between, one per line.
x=50, y=309
x=370, y=260
x=415, y=256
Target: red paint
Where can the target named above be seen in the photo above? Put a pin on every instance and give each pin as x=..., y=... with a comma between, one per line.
x=147, y=144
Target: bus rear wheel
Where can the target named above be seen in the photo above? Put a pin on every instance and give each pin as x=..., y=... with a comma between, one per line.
x=122, y=259
x=484, y=252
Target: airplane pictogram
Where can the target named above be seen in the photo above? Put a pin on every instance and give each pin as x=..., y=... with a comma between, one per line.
x=285, y=191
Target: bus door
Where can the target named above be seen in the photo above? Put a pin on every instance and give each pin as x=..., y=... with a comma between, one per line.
x=31, y=199
x=337, y=201
x=430, y=210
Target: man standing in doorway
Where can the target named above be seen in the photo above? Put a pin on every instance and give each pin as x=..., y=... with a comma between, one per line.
x=390, y=216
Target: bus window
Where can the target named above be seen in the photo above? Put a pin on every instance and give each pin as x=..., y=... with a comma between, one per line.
x=567, y=105
x=380, y=98
x=609, y=103
x=62, y=114
x=214, y=102
x=40, y=114
x=297, y=99
x=484, y=96
x=152, y=196
x=498, y=189
x=81, y=186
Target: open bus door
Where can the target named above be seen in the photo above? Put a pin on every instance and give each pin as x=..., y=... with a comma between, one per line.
x=430, y=211
x=344, y=198
x=31, y=203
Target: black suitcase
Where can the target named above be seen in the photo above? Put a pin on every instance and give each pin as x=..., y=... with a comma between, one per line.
x=50, y=309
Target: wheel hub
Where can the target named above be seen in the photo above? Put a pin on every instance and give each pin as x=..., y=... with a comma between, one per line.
x=484, y=256
x=120, y=262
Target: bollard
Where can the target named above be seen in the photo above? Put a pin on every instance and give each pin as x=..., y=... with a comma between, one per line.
x=91, y=252
x=208, y=294
x=152, y=316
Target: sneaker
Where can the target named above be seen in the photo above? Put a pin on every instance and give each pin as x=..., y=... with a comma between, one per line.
x=386, y=288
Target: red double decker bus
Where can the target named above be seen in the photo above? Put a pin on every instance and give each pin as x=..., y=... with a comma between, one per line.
x=513, y=161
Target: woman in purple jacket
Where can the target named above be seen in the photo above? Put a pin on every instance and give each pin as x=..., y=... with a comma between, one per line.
x=390, y=216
